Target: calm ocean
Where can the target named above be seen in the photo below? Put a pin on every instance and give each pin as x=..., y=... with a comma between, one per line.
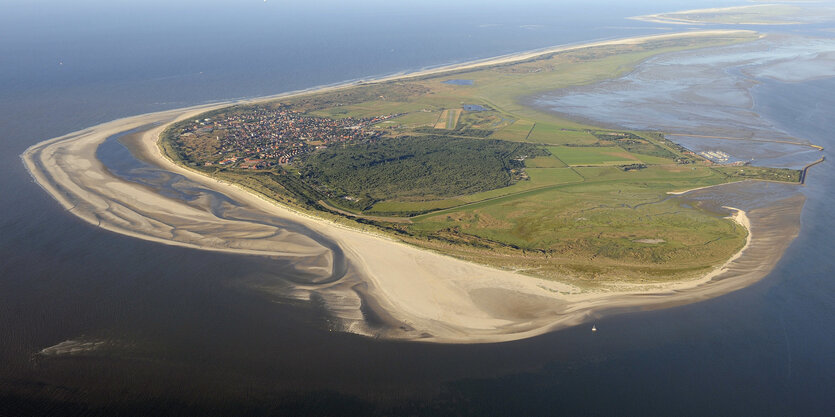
x=190, y=338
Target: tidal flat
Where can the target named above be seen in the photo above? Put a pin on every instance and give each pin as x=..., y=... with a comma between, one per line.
x=704, y=99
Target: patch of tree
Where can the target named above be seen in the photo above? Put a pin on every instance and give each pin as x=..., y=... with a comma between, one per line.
x=632, y=167
x=172, y=147
x=278, y=184
x=634, y=143
x=412, y=168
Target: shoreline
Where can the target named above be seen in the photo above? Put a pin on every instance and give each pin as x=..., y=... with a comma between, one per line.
x=486, y=62
x=670, y=17
x=419, y=291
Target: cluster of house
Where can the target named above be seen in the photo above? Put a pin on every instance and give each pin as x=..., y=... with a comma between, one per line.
x=263, y=137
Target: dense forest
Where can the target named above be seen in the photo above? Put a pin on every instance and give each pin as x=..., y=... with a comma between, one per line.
x=421, y=167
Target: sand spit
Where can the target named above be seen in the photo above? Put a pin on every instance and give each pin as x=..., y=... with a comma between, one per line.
x=67, y=168
x=502, y=59
x=746, y=13
x=414, y=294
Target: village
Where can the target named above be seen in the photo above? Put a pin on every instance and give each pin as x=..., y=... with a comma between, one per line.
x=262, y=138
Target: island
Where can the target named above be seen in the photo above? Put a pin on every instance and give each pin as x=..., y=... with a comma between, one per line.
x=455, y=162
x=440, y=206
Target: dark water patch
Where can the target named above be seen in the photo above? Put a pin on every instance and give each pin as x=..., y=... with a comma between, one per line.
x=474, y=107
x=458, y=82
x=120, y=161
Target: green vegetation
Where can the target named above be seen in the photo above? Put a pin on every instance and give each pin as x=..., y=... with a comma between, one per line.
x=553, y=134
x=633, y=143
x=473, y=133
x=760, y=173
x=511, y=186
x=414, y=168
x=518, y=131
x=610, y=155
x=537, y=179
x=607, y=222
x=549, y=161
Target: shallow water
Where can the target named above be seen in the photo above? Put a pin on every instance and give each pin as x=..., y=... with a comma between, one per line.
x=119, y=160
x=706, y=99
x=778, y=155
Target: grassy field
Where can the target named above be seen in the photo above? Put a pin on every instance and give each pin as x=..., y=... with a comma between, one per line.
x=581, y=203
x=519, y=130
x=553, y=134
x=549, y=161
x=579, y=232
x=583, y=217
x=485, y=120
x=590, y=156
x=538, y=178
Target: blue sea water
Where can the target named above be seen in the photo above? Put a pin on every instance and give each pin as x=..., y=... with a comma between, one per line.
x=191, y=338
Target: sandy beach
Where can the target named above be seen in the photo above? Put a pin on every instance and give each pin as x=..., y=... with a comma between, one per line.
x=419, y=295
